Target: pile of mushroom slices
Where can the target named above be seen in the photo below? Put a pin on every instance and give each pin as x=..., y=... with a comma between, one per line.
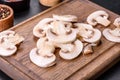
x=8, y=42
x=62, y=31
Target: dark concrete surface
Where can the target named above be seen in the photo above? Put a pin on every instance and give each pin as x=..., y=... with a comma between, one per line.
x=114, y=5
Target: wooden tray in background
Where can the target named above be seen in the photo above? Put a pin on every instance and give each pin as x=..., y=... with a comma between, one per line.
x=19, y=66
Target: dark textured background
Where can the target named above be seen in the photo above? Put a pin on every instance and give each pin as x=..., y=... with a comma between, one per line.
x=114, y=5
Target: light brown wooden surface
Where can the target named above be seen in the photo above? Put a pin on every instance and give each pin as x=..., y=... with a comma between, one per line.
x=20, y=67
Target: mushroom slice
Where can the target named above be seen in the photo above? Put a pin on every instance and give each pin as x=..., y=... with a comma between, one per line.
x=71, y=51
x=95, y=37
x=8, y=41
x=40, y=60
x=112, y=35
x=43, y=55
x=41, y=27
x=88, y=33
x=117, y=22
x=68, y=18
x=7, y=49
x=98, y=17
x=60, y=34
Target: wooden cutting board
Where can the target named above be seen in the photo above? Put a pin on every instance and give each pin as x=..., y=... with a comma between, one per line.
x=84, y=67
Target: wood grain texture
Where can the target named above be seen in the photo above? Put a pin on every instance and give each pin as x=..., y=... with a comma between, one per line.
x=81, y=68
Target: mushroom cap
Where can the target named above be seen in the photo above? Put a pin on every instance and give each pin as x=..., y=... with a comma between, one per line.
x=37, y=32
x=75, y=51
x=67, y=18
x=7, y=49
x=41, y=61
x=61, y=38
x=41, y=27
x=111, y=37
x=99, y=16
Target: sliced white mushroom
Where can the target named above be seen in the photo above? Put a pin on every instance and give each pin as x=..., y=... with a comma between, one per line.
x=98, y=17
x=60, y=34
x=40, y=29
x=42, y=60
x=12, y=37
x=68, y=18
x=117, y=22
x=72, y=50
x=8, y=41
x=112, y=35
x=43, y=55
x=88, y=33
x=95, y=38
x=7, y=48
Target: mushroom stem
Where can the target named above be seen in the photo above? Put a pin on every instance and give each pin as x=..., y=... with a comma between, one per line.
x=88, y=49
x=103, y=21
